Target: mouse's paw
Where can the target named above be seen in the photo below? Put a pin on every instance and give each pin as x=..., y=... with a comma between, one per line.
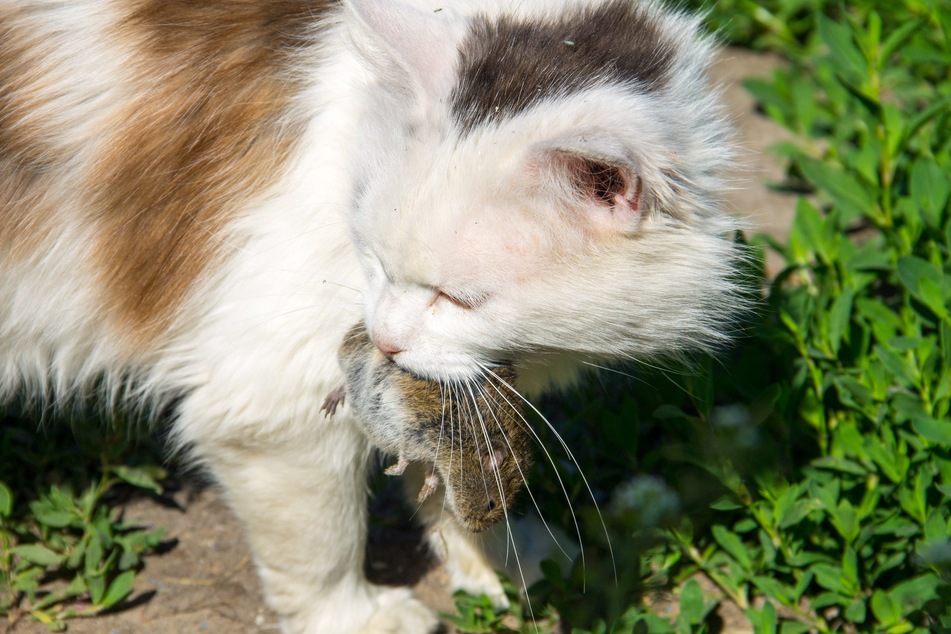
x=397, y=469
x=430, y=484
x=399, y=612
x=334, y=399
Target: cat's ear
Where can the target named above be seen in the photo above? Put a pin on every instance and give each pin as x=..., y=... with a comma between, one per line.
x=413, y=48
x=603, y=183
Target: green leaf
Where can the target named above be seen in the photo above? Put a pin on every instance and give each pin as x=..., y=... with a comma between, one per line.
x=898, y=37
x=930, y=188
x=733, y=545
x=924, y=281
x=784, y=503
x=94, y=552
x=937, y=108
x=830, y=578
x=914, y=593
x=119, y=589
x=691, y=602
x=851, y=196
x=806, y=235
x=855, y=612
x=853, y=393
x=935, y=526
x=764, y=620
x=128, y=559
x=38, y=554
x=793, y=627
x=845, y=521
x=849, y=59
x=850, y=570
x=772, y=587
x=726, y=503
x=840, y=464
x=77, y=555
x=6, y=500
x=938, y=431
x=97, y=588
x=142, y=477
x=53, y=518
x=797, y=513
x=885, y=608
x=839, y=317
x=801, y=586
x=28, y=580
x=897, y=365
x=932, y=294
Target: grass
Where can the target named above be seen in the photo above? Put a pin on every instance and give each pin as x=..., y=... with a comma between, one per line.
x=65, y=549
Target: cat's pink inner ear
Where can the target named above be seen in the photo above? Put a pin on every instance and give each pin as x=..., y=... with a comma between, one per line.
x=423, y=43
x=612, y=187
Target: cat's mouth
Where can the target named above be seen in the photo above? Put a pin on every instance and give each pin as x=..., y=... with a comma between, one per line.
x=446, y=368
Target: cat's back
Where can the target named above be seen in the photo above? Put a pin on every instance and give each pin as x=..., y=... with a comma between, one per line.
x=131, y=135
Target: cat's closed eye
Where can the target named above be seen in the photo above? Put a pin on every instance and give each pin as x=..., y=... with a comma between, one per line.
x=464, y=301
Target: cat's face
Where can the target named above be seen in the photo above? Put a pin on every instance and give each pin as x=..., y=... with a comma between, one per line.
x=459, y=251
x=580, y=222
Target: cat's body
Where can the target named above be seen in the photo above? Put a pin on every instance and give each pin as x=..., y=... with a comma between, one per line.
x=182, y=185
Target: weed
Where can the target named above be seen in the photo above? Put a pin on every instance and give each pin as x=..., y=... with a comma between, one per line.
x=65, y=549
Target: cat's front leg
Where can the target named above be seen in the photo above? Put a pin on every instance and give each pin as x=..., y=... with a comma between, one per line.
x=300, y=490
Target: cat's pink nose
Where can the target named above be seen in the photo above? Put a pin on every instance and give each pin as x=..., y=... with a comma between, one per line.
x=386, y=346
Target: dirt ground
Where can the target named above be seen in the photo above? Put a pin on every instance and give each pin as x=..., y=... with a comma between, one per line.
x=204, y=581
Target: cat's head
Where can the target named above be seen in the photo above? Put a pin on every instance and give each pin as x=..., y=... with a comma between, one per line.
x=541, y=183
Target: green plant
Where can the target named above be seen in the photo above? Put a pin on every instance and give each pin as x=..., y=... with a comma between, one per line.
x=477, y=615
x=855, y=534
x=67, y=552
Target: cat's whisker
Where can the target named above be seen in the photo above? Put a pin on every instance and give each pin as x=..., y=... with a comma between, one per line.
x=442, y=429
x=508, y=524
x=488, y=445
x=478, y=449
x=666, y=372
x=342, y=285
x=605, y=368
x=510, y=538
x=472, y=427
x=524, y=476
x=571, y=456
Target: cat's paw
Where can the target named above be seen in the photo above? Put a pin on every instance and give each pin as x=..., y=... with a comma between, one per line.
x=478, y=580
x=466, y=565
x=398, y=612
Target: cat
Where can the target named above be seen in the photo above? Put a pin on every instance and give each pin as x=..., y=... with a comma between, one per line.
x=197, y=199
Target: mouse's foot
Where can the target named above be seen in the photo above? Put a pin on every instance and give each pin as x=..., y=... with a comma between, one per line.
x=333, y=400
x=429, y=487
x=398, y=468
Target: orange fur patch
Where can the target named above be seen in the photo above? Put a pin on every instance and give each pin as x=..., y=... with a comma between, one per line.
x=26, y=162
x=208, y=128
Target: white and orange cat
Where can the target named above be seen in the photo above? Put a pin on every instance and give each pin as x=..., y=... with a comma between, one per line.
x=197, y=199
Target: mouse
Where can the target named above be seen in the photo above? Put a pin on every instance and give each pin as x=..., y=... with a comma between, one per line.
x=474, y=433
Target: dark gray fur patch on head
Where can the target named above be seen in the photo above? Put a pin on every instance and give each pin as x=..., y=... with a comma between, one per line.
x=508, y=65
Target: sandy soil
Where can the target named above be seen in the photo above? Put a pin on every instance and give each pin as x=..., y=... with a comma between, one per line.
x=204, y=581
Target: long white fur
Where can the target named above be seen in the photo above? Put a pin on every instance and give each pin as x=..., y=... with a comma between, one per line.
x=253, y=346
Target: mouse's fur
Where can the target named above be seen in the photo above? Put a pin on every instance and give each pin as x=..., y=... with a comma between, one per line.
x=197, y=199
x=472, y=436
